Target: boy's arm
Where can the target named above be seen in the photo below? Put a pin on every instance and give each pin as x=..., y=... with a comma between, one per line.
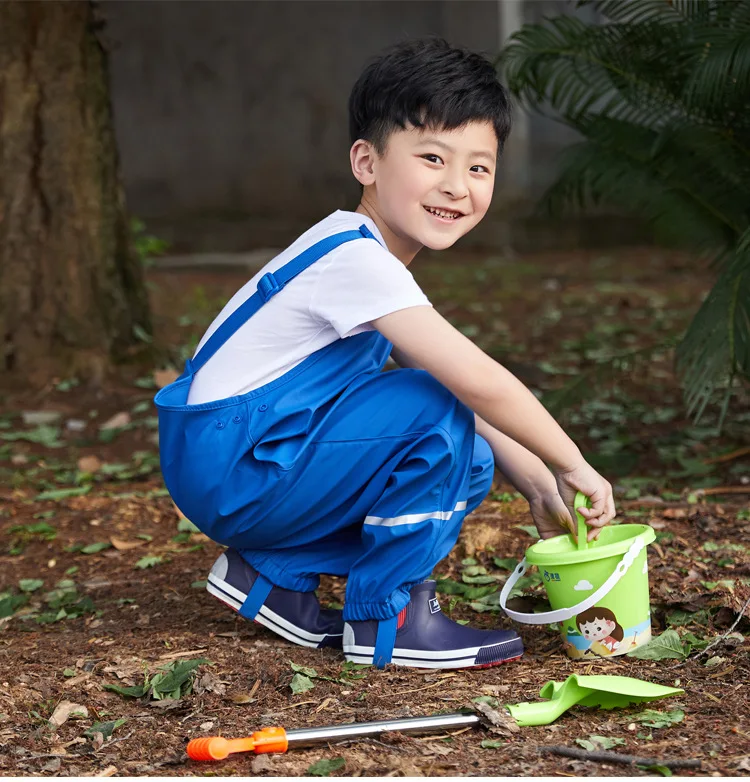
x=423, y=338
x=530, y=476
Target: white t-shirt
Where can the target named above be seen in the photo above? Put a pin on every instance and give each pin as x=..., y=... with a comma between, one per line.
x=335, y=298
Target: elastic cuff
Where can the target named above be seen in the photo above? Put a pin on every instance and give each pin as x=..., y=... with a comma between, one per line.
x=384, y=609
x=277, y=575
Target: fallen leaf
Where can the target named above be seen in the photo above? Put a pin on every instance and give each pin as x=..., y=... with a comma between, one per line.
x=209, y=682
x=40, y=417
x=163, y=377
x=261, y=764
x=117, y=421
x=126, y=545
x=665, y=646
x=650, y=718
x=499, y=721
x=301, y=683
x=435, y=748
x=241, y=698
x=89, y=464
x=77, y=680
x=66, y=710
x=324, y=768
x=675, y=513
x=110, y=771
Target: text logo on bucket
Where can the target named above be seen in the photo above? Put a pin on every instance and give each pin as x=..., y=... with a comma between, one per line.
x=551, y=576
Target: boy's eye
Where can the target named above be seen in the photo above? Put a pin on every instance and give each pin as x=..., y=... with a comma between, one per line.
x=432, y=158
x=484, y=169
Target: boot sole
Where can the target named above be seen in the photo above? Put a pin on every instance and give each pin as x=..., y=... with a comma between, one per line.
x=411, y=658
x=233, y=598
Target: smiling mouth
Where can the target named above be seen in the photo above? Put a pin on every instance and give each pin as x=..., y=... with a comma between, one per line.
x=444, y=214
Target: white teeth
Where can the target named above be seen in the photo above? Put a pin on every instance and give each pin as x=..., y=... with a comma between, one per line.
x=444, y=215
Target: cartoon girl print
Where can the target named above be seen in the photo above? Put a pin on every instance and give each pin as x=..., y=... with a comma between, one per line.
x=599, y=625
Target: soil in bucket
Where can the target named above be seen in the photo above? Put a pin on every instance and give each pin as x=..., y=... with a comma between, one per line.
x=621, y=620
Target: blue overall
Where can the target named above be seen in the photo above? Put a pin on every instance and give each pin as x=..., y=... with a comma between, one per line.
x=335, y=467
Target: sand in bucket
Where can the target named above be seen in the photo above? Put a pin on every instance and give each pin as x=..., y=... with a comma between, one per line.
x=598, y=593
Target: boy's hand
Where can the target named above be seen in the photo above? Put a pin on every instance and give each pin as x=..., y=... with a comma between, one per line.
x=550, y=514
x=584, y=478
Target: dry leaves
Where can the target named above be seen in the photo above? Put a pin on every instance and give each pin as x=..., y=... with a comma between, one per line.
x=118, y=421
x=240, y=698
x=89, y=464
x=65, y=711
x=497, y=721
x=209, y=682
x=126, y=545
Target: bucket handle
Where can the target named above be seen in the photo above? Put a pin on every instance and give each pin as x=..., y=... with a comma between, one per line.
x=561, y=614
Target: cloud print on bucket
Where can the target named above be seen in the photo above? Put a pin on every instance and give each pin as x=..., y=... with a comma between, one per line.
x=583, y=586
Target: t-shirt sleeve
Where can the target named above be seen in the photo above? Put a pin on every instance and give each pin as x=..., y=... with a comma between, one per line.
x=361, y=283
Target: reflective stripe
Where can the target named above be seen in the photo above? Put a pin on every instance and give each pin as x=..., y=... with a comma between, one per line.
x=414, y=518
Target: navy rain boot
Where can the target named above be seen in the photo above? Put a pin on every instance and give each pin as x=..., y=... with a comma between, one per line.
x=422, y=636
x=296, y=616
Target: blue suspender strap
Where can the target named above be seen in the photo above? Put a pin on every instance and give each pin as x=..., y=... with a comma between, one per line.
x=269, y=285
x=257, y=595
x=385, y=640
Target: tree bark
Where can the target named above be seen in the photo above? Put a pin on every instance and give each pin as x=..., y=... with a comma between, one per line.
x=72, y=295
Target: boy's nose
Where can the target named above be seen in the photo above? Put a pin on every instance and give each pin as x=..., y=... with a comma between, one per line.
x=455, y=186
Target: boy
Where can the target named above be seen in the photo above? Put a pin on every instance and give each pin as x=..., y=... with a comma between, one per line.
x=284, y=440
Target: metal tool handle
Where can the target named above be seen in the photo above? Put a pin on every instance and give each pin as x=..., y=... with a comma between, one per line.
x=303, y=737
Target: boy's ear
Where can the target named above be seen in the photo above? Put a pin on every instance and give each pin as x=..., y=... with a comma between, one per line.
x=362, y=156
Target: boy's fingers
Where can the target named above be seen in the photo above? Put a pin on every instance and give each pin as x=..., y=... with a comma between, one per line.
x=596, y=519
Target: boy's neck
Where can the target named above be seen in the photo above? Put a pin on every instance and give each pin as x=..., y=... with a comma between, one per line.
x=404, y=249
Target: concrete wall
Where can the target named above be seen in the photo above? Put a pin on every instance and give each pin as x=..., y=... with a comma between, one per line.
x=231, y=116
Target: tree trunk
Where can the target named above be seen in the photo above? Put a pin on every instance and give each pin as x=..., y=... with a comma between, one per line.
x=72, y=295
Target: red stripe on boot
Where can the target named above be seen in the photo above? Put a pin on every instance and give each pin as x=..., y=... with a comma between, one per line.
x=401, y=618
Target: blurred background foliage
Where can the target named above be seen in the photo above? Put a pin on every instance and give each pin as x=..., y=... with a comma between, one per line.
x=660, y=92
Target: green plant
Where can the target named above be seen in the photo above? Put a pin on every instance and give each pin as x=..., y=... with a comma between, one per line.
x=659, y=91
x=146, y=245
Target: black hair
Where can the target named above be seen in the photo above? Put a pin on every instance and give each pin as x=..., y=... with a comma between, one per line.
x=426, y=83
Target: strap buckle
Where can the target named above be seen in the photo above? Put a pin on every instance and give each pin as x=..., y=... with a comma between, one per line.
x=268, y=286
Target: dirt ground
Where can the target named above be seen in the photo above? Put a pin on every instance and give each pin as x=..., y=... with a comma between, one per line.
x=102, y=582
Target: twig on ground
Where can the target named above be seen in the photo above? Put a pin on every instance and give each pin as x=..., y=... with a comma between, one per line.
x=715, y=642
x=723, y=490
x=728, y=457
x=722, y=637
x=603, y=756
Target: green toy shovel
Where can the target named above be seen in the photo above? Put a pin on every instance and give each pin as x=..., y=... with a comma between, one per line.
x=607, y=692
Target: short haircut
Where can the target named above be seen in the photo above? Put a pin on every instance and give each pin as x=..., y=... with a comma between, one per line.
x=426, y=83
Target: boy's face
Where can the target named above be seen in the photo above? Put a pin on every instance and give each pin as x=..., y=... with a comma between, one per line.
x=430, y=187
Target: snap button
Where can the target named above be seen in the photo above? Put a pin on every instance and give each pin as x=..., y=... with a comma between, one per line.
x=263, y=408
x=237, y=419
x=219, y=424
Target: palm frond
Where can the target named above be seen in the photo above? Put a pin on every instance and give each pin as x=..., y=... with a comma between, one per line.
x=661, y=94
x=716, y=348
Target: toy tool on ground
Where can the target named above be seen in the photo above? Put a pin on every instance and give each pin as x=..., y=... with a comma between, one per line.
x=607, y=692
x=598, y=589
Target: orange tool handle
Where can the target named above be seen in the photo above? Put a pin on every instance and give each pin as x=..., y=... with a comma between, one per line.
x=218, y=748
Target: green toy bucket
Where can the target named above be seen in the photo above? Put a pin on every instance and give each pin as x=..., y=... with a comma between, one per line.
x=598, y=591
